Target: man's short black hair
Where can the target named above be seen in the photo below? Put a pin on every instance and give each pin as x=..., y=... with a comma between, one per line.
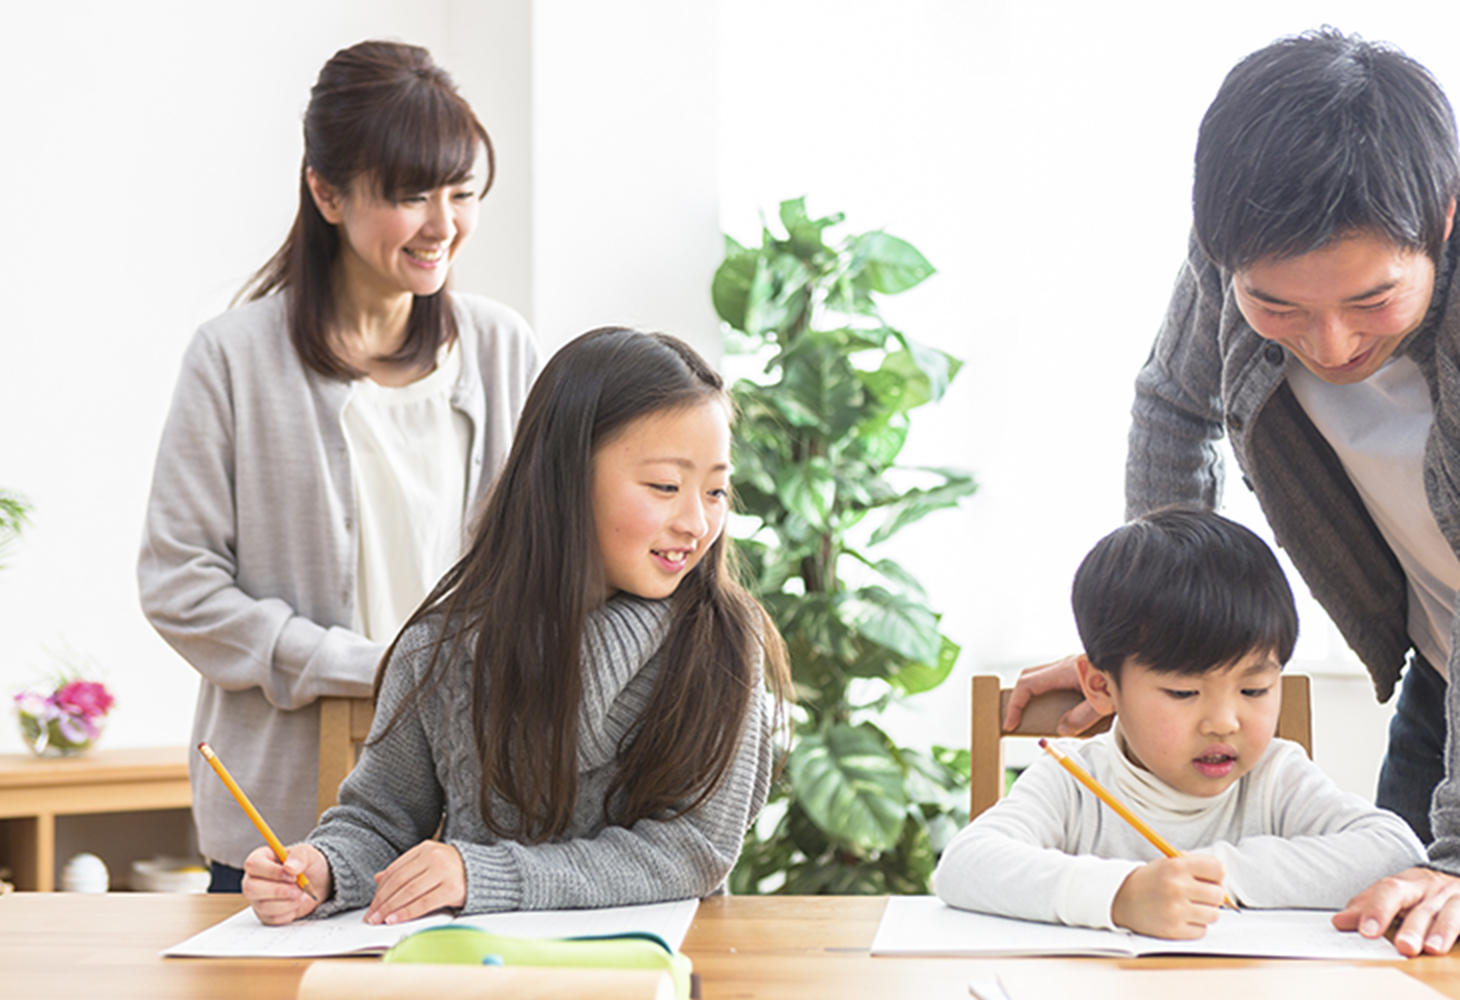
x=1319, y=136
x=1182, y=591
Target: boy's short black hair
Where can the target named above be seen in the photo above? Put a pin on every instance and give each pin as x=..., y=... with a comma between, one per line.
x=1182, y=591
x=1319, y=136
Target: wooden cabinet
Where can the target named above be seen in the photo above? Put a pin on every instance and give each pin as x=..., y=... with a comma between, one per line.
x=34, y=791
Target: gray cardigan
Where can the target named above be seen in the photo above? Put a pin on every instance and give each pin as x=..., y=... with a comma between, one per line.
x=425, y=773
x=248, y=557
x=1209, y=373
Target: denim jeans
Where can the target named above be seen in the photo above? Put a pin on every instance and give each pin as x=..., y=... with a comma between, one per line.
x=226, y=878
x=1415, y=761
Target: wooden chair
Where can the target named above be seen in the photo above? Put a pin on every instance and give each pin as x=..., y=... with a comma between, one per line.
x=1040, y=716
x=343, y=725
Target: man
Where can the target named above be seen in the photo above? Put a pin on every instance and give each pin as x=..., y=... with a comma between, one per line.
x=1313, y=324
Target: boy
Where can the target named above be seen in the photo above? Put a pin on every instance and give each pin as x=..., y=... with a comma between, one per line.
x=1186, y=620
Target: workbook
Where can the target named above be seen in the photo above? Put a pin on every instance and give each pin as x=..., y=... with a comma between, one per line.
x=925, y=925
x=243, y=936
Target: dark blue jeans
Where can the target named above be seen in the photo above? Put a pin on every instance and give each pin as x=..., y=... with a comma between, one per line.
x=1415, y=761
x=226, y=878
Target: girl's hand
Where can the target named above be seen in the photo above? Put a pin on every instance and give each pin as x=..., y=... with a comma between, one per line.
x=1171, y=897
x=272, y=890
x=429, y=876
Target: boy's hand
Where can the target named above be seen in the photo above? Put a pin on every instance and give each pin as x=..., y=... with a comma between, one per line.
x=1171, y=897
x=272, y=890
x=429, y=876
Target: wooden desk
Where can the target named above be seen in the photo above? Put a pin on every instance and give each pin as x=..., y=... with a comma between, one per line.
x=747, y=948
x=35, y=790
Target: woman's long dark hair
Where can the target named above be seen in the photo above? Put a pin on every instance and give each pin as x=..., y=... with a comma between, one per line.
x=382, y=111
x=516, y=603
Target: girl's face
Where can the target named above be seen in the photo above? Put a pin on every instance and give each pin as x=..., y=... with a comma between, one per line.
x=394, y=247
x=660, y=493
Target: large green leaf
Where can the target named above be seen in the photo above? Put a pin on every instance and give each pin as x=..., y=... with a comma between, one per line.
x=851, y=785
x=890, y=264
x=730, y=288
x=892, y=620
x=808, y=490
x=917, y=677
x=919, y=503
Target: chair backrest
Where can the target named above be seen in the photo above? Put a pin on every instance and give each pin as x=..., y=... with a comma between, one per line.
x=1042, y=714
x=343, y=725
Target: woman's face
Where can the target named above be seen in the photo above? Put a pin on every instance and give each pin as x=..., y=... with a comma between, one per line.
x=402, y=246
x=660, y=494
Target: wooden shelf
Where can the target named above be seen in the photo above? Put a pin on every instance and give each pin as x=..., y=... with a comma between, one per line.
x=35, y=790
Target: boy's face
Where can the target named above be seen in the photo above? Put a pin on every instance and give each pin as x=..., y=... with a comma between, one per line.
x=1341, y=309
x=1198, y=733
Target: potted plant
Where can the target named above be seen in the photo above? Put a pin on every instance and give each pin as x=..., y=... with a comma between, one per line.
x=818, y=435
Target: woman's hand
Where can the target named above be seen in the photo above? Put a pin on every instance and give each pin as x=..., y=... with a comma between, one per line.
x=1428, y=900
x=1035, y=681
x=1171, y=897
x=272, y=888
x=429, y=876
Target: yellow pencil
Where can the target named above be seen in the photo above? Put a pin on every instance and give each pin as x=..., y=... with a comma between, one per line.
x=1103, y=794
x=253, y=813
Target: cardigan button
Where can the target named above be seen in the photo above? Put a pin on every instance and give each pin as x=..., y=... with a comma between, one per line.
x=1274, y=353
x=1235, y=421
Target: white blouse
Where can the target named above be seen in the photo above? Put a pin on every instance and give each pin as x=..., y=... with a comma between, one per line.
x=408, y=449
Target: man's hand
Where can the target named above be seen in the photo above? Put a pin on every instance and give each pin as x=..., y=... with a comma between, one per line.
x=1035, y=681
x=429, y=876
x=1171, y=897
x=1428, y=900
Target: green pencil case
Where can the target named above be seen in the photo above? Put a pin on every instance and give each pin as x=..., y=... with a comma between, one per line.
x=461, y=944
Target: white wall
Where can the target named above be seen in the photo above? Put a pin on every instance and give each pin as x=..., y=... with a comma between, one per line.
x=1039, y=153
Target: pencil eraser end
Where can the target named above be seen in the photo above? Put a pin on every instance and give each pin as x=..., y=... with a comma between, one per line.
x=1043, y=742
x=202, y=743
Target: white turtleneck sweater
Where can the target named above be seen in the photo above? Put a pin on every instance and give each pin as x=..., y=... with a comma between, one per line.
x=1286, y=835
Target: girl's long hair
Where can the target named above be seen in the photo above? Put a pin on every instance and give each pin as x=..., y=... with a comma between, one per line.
x=517, y=601
x=385, y=114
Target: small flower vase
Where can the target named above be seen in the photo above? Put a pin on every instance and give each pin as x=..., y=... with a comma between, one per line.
x=45, y=738
x=63, y=722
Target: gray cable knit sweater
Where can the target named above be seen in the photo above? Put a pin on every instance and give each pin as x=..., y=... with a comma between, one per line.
x=1209, y=373
x=425, y=773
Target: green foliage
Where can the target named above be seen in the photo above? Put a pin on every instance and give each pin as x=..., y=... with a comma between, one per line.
x=13, y=514
x=820, y=428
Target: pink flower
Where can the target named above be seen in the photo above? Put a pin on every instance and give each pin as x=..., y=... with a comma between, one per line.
x=88, y=699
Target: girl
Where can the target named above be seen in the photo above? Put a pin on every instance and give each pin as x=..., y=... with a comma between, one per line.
x=328, y=439
x=578, y=706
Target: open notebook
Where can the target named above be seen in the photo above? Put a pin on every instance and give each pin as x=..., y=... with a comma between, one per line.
x=242, y=936
x=924, y=925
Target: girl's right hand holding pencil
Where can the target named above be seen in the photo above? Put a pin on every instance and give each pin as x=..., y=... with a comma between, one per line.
x=272, y=889
x=1172, y=898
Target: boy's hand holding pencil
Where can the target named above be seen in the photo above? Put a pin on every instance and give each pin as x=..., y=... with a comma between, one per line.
x=1171, y=897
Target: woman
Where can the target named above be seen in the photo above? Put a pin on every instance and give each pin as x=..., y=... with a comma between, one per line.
x=329, y=438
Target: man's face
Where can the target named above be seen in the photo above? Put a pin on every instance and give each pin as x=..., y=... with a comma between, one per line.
x=1341, y=309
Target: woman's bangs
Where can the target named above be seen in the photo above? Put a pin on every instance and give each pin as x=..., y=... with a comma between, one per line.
x=421, y=145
